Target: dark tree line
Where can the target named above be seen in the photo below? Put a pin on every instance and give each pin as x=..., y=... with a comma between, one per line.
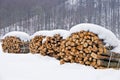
x=66, y=13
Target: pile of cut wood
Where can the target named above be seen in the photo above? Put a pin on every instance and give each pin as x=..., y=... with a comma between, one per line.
x=35, y=44
x=82, y=47
x=12, y=44
x=86, y=48
x=46, y=45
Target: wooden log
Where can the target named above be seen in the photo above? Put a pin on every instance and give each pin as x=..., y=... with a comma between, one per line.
x=86, y=50
x=81, y=35
x=87, y=62
x=108, y=53
x=90, y=58
x=80, y=47
x=62, y=61
x=81, y=62
x=90, y=43
x=93, y=63
x=85, y=45
x=95, y=49
x=12, y=44
x=101, y=50
x=85, y=59
x=107, y=58
x=105, y=64
x=89, y=49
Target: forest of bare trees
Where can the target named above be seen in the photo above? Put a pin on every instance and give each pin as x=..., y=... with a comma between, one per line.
x=64, y=15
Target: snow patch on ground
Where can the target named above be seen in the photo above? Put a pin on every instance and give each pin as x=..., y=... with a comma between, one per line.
x=22, y=35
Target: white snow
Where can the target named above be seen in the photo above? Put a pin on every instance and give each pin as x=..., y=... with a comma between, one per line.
x=37, y=67
x=22, y=35
x=117, y=48
x=43, y=41
x=73, y=2
x=51, y=33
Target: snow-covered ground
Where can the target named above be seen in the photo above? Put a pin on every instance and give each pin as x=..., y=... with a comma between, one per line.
x=37, y=67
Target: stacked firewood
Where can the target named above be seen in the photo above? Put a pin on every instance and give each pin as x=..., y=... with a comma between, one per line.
x=46, y=45
x=86, y=48
x=12, y=44
x=51, y=46
x=82, y=47
x=35, y=44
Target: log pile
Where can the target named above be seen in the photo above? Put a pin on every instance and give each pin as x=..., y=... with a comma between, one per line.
x=82, y=47
x=12, y=44
x=35, y=44
x=86, y=48
x=78, y=48
x=50, y=47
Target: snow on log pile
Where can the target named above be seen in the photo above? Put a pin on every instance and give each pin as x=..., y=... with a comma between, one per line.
x=47, y=43
x=16, y=42
x=87, y=48
x=86, y=44
x=51, y=46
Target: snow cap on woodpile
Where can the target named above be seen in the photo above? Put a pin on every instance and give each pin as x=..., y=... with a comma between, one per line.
x=51, y=33
x=117, y=49
x=22, y=35
x=109, y=38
